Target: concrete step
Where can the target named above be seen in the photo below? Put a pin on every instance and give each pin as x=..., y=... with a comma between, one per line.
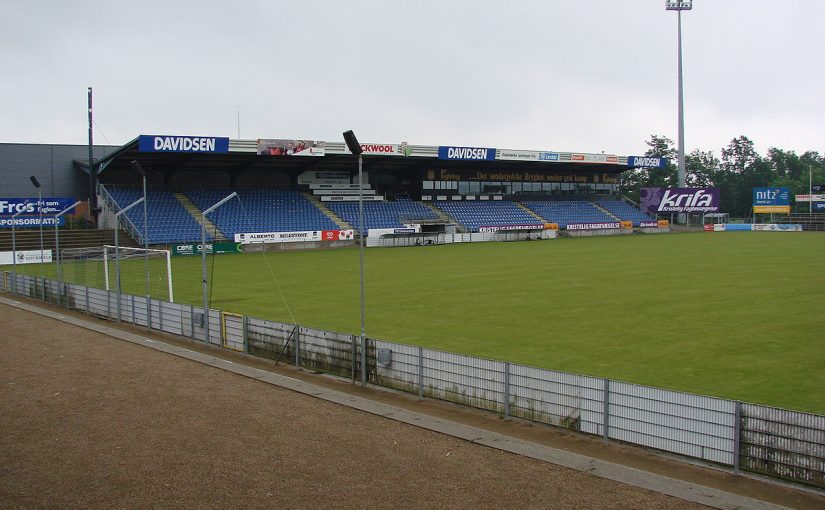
x=343, y=225
x=211, y=229
x=530, y=211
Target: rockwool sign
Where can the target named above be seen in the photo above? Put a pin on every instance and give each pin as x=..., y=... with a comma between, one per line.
x=679, y=200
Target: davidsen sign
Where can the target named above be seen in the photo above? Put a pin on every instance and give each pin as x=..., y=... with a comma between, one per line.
x=679, y=200
x=466, y=153
x=167, y=143
x=646, y=162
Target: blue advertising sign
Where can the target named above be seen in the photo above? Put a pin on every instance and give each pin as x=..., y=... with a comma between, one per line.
x=771, y=196
x=819, y=206
x=31, y=221
x=466, y=153
x=167, y=143
x=548, y=156
x=646, y=162
x=28, y=206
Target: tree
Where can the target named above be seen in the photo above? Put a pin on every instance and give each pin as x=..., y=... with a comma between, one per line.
x=632, y=181
x=701, y=169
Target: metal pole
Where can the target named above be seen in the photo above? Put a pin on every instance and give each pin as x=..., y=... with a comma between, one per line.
x=146, y=247
x=679, y=6
x=506, y=390
x=117, y=265
x=57, y=245
x=92, y=173
x=14, y=248
x=42, y=251
x=737, y=436
x=117, y=249
x=420, y=372
x=361, y=258
x=681, y=165
x=13, y=258
x=204, y=288
x=810, y=191
x=606, y=412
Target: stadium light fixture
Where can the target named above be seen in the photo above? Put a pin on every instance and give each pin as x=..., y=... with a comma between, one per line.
x=117, y=250
x=36, y=184
x=679, y=6
x=355, y=148
x=203, y=262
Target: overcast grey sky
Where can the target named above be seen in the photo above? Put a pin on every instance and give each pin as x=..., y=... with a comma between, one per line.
x=596, y=75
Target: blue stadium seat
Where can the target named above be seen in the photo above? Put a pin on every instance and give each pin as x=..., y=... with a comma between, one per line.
x=565, y=212
x=262, y=210
x=476, y=214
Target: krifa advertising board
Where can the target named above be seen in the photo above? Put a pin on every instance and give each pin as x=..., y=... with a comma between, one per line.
x=679, y=200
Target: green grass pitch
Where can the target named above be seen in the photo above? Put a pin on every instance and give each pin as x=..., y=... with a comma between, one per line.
x=735, y=315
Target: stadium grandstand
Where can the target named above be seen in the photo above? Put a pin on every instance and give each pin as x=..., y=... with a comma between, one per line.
x=291, y=185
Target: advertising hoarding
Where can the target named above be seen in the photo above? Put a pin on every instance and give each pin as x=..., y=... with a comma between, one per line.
x=28, y=206
x=294, y=237
x=25, y=257
x=211, y=248
x=31, y=221
x=173, y=143
x=607, y=225
x=501, y=228
x=679, y=200
x=466, y=153
x=771, y=200
x=646, y=162
x=282, y=147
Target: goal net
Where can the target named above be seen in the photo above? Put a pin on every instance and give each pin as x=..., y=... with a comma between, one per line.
x=100, y=267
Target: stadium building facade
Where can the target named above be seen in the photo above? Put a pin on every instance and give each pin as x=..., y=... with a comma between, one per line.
x=324, y=172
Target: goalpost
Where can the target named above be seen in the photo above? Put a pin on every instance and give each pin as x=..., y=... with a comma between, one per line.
x=98, y=267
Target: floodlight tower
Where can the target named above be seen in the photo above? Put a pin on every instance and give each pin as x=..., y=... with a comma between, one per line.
x=679, y=6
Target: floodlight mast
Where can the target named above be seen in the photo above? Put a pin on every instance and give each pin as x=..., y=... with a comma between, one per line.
x=679, y=6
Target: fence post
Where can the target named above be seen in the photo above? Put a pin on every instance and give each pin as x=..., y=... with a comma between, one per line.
x=354, y=355
x=192, y=321
x=506, y=390
x=363, y=361
x=245, y=332
x=297, y=346
x=88, y=312
x=420, y=372
x=108, y=305
x=134, y=317
x=148, y=313
x=737, y=435
x=606, y=413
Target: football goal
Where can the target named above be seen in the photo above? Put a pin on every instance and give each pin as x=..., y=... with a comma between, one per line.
x=101, y=266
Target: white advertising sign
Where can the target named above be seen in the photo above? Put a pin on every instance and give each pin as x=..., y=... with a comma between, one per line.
x=278, y=237
x=24, y=257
